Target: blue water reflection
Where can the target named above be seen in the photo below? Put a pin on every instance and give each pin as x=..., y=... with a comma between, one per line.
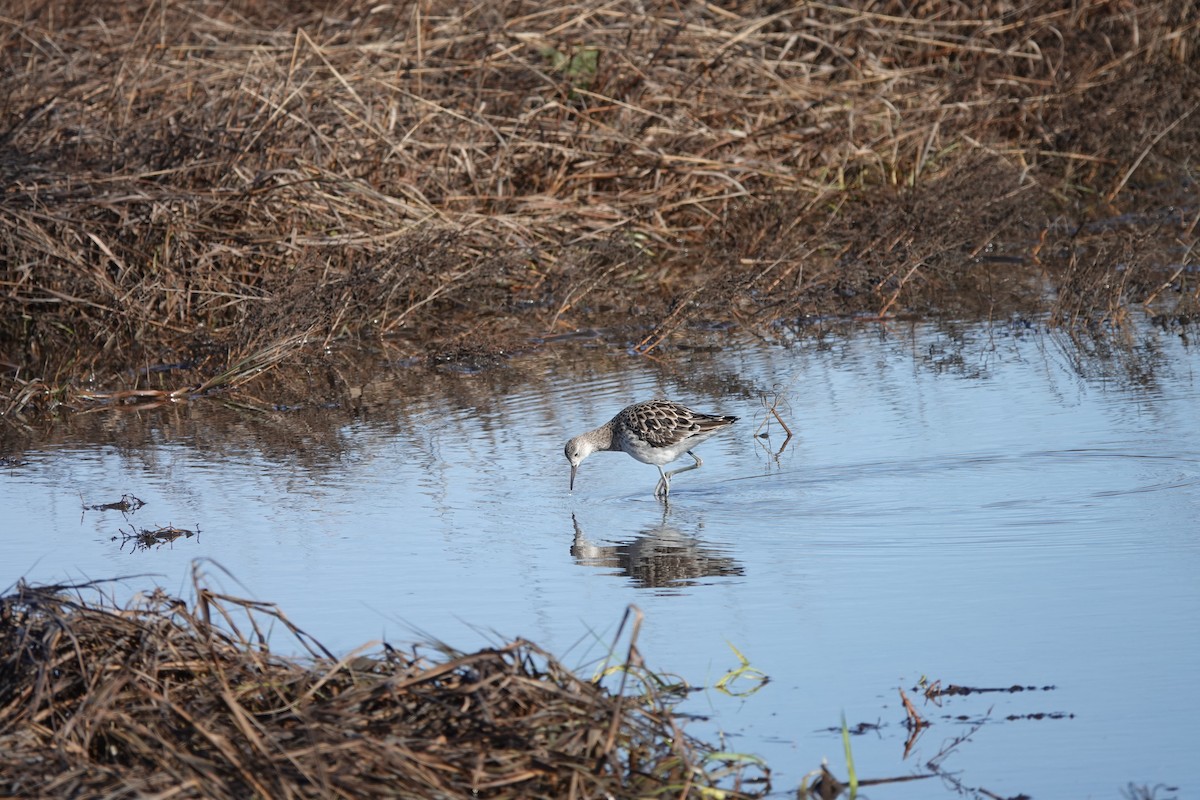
x=981, y=505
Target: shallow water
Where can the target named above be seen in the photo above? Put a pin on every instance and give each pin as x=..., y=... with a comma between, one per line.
x=980, y=505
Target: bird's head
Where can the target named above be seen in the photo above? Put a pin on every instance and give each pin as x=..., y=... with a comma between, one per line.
x=576, y=451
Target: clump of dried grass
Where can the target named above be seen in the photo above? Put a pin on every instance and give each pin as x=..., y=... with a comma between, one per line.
x=194, y=183
x=157, y=696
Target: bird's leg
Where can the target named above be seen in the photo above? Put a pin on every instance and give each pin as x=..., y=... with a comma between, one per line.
x=664, y=483
x=667, y=476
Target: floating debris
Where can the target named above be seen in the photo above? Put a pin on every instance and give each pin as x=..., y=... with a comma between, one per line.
x=148, y=538
x=126, y=505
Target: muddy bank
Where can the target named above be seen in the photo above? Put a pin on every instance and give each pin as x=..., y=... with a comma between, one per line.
x=193, y=195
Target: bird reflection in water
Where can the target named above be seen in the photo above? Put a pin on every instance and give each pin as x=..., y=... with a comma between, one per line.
x=661, y=556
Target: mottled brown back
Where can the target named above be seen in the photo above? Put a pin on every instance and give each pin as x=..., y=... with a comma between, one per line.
x=662, y=423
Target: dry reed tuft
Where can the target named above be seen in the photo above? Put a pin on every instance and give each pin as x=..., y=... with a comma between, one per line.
x=192, y=183
x=159, y=697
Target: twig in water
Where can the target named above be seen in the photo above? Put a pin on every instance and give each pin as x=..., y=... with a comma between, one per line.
x=914, y=719
x=773, y=410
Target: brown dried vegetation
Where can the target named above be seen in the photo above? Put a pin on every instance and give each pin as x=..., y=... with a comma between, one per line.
x=157, y=697
x=212, y=182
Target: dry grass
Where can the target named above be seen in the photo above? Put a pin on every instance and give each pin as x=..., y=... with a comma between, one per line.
x=196, y=183
x=166, y=699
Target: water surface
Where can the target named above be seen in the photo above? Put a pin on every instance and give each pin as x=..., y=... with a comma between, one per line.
x=980, y=505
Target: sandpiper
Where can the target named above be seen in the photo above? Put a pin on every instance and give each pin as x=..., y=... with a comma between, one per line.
x=656, y=432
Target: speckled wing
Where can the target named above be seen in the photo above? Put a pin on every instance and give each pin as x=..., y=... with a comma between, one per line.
x=661, y=423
